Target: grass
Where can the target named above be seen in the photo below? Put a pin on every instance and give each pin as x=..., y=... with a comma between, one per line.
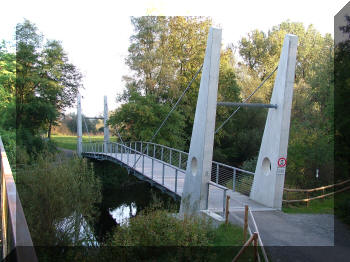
x=70, y=142
x=318, y=206
x=227, y=235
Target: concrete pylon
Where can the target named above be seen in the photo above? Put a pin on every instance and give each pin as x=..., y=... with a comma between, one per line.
x=79, y=127
x=105, y=128
x=269, y=176
x=198, y=171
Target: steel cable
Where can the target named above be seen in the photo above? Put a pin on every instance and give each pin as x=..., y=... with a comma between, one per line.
x=245, y=100
x=172, y=109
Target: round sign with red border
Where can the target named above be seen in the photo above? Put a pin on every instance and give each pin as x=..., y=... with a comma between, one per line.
x=282, y=162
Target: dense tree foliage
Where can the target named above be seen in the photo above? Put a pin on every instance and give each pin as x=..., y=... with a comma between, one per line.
x=37, y=83
x=165, y=53
x=46, y=83
x=342, y=93
x=311, y=135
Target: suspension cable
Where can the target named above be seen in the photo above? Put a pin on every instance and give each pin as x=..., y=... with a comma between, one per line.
x=120, y=137
x=87, y=129
x=172, y=109
x=245, y=100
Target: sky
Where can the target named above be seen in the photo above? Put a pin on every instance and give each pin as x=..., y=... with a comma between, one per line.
x=95, y=34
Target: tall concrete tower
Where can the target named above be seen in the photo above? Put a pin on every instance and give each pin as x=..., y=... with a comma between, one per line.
x=268, y=181
x=195, y=192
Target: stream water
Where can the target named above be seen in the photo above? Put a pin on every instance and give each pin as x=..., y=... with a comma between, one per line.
x=123, y=196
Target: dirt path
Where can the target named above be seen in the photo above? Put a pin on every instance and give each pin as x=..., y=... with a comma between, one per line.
x=67, y=152
x=301, y=237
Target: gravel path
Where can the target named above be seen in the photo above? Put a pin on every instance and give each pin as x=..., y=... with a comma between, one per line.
x=67, y=152
x=300, y=237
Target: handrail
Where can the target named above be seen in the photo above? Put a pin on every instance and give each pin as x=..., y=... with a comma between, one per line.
x=220, y=173
x=217, y=185
x=254, y=238
x=317, y=188
x=318, y=197
x=15, y=234
x=259, y=238
x=238, y=169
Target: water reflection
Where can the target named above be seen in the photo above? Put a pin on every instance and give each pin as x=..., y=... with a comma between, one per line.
x=76, y=228
x=123, y=197
x=122, y=213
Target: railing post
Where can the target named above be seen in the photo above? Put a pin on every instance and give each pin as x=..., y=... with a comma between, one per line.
x=180, y=160
x=175, y=181
x=245, y=223
x=135, y=157
x=207, y=204
x=152, y=167
x=217, y=173
x=163, y=174
x=224, y=204
x=154, y=150
x=128, y=152
x=161, y=154
x=227, y=209
x=170, y=156
x=143, y=163
x=121, y=151
x=141, y=148
x=234, y=180
x=255, y=241
x=147, y=148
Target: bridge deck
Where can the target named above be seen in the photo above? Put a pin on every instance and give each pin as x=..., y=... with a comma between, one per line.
x=171, y=179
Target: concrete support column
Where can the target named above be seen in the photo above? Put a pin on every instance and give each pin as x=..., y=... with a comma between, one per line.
x=268, y=181
x=105, y=129
x=195, y=192
x=79, y=127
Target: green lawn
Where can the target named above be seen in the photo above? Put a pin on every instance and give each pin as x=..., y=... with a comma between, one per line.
x=231, y=237
x=70, y=142
x=318, y=206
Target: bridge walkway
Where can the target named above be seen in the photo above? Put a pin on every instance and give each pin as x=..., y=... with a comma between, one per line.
x=165, y=168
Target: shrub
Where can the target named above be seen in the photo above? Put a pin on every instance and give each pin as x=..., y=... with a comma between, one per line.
x=56, y=194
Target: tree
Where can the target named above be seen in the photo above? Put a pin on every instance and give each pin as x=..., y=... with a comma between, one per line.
x=141, y=116
x=311, y=134
x=165, y=53
x=341, y=95
x=61, y=79
x=88, y=125
x=46, y=83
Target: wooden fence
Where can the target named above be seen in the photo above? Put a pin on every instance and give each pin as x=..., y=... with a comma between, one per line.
x=16, y=241
x=308, y=191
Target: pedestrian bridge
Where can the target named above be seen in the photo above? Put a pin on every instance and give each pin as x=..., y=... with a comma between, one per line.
x=165, y=168
x=203, y=184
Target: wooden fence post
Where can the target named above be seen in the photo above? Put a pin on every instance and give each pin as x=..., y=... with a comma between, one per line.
x=245, y=223
x=255, y=241
x=227, y=207
x=307, y=196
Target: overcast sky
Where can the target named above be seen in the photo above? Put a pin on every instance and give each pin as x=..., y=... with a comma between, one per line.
x=95, y=34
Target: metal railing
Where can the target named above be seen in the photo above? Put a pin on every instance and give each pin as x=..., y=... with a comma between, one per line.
x=15, y=235
x=224, y=175
x=149, y=159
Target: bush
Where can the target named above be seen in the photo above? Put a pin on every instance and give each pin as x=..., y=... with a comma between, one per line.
x=58, y=197
x=163, y=229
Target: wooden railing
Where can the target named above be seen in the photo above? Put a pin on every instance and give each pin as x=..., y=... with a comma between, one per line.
x=308, y=191
x=254, y=239
x=16, y=241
